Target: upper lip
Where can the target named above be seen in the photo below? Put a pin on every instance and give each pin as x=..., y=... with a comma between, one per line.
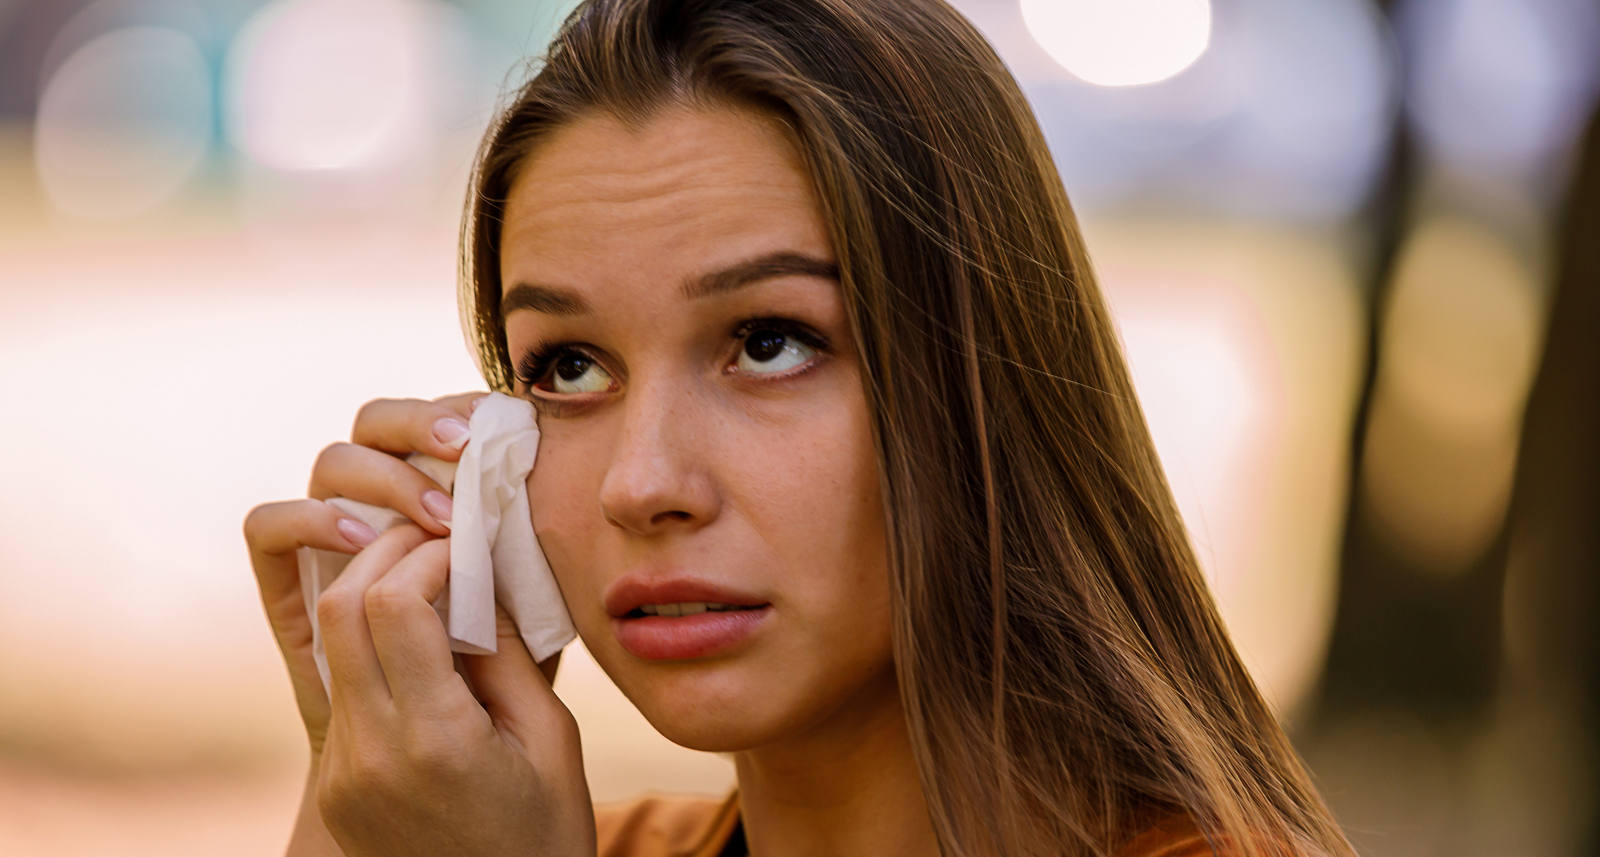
x=632, y=591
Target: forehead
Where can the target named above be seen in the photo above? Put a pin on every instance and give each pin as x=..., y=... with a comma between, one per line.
x=682, y=191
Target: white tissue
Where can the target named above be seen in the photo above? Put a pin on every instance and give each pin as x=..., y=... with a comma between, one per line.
x=493, y=551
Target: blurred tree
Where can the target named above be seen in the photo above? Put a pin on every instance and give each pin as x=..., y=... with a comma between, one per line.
x=1411, y=645
x=1555, y=512
x=1404, y=636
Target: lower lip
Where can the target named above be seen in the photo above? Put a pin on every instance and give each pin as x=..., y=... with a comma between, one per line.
x=661, y=638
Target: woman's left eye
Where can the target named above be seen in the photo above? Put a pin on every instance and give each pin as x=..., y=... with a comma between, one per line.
x=770, y=348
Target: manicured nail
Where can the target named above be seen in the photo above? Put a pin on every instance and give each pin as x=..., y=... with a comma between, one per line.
x=451, y=432
x=357, y=532
x=438, y=505
x=472, y=406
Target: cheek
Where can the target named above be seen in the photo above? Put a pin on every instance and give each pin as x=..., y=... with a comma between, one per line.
x=859, y=512
x=827, y=533
x=561, y=500
x=817, y=502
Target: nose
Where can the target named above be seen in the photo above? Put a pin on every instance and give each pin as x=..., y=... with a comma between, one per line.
x=659, y=478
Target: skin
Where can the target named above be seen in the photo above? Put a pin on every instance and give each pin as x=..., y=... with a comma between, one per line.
x=681, y=447
x=407, y=757
x=691, y=451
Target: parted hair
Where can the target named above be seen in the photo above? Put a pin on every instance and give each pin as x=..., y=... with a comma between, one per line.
x=1065, y=675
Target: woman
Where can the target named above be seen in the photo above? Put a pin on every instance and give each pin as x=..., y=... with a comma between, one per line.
x=811, y=330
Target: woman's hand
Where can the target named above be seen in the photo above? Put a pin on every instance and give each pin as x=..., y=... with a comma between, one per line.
x=415, y=763
x=371, y=469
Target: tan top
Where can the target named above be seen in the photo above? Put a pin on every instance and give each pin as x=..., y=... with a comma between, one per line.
x=688, y=826
x=658, y=825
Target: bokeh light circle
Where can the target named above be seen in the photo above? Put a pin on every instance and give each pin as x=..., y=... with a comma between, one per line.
x=123, y=122
x=1499, y=87
x=329, y=84
x=1126, y=43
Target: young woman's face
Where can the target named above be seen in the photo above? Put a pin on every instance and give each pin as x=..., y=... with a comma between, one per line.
x=702, y=418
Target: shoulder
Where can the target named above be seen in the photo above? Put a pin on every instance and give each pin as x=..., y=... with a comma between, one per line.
x=663, y=825
x=1177, y=835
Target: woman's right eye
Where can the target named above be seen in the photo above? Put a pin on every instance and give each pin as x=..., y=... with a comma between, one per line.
x=578, y=371
x=574, y=368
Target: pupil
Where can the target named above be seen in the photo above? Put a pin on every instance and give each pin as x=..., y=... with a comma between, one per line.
x=571, y=368
x=765, y=345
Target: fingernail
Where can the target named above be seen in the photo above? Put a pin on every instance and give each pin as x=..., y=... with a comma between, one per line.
x=472, y=406
x=451, y=432
x=357, y=532
x=438, y=505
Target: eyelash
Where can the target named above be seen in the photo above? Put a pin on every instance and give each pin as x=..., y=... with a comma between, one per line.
x=538, y=361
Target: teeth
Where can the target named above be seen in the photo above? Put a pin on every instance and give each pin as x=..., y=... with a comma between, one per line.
x=686, y=608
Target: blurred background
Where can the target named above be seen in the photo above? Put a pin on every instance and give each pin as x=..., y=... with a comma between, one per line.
x=1353, y=248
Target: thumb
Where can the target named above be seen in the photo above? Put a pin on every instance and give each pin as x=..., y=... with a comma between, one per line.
x=514, y=690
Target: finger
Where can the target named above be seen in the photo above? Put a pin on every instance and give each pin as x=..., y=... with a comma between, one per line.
x=511, y=687
x=402, y=426
x=277, y=530
x=359, y=473
x=411, y=642
x=464, y=404
x=357, y=675
x=274, y=531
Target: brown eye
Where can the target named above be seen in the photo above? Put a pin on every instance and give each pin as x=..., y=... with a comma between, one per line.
x=772, y=351
x=565, y=366
x=584, y=373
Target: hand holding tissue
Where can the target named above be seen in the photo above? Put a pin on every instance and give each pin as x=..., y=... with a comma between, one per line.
x=494, y=554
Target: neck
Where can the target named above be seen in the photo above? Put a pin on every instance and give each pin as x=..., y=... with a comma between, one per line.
x=846, y=787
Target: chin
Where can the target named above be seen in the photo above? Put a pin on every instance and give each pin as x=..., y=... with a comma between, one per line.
x=707, y=708
x=711, y=735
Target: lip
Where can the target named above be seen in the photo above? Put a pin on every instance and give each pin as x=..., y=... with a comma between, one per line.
x=632, y=591
x=661, y=638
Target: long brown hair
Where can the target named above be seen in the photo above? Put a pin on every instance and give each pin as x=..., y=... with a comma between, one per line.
x=1064, y=672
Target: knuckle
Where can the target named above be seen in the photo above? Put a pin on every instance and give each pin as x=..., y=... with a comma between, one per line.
x=385, y=600
x=369, y=411
x=433, y=754
x=373, y=416
x=263, y=517
x=411, y=534
x=331, y=801
x=336, y=795
x=460, y=404
x=344, y=791
x=369, y=767
x=403, y=481
x=335, y=607
x=328, y=456
x=431, y=548
x=253, y=523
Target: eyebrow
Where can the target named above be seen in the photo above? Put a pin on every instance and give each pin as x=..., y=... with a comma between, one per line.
x=555, y=300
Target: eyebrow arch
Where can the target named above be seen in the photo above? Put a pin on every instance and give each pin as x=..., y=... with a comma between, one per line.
x=554, y=300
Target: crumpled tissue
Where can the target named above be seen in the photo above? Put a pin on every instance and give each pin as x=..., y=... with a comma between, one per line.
x=493, y=551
